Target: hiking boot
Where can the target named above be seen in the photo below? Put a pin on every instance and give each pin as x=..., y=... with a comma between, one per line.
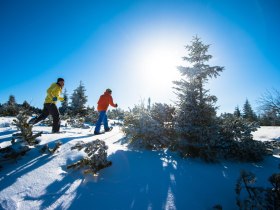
x=58, y=131
x=97, y=133
x=108, y=129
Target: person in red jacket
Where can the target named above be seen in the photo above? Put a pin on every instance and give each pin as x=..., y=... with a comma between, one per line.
x=102, y=105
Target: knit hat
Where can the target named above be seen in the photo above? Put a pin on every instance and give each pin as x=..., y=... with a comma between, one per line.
x=108, y=90
x=60, y=79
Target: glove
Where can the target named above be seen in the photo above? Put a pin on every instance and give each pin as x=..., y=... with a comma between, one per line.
x=54, y=98
x=116, y=105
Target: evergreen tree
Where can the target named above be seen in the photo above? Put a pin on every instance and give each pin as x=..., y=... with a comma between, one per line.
x=163, y=113
x=91, y=115
x=78, y=101
x=11, y=108
x=248, y=112
x=64, y=109
x=258, y=197
x=236, y=139
x=116, y=114
x=237, y=112
x=196, y=115
x=12, y=101
x=143, y=130
x=26, y=105
x=26, y=133
x=96, y=158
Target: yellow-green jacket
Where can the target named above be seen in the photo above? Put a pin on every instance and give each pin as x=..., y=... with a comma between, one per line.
x=53, y=91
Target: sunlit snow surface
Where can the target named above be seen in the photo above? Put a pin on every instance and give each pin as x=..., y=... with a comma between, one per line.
x=136, y=180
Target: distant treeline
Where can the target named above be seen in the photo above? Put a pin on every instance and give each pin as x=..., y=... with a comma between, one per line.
x=268, y=111
x=75, y=108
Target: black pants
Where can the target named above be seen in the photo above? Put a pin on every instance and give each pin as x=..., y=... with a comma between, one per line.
x=50, y=109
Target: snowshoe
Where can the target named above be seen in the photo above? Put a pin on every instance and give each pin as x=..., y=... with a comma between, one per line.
x=109, y=129
x=98, y=133
x=59, y=132
x=56, y=132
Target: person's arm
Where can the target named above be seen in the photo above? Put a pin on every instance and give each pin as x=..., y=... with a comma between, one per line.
x=60, y=98
x=111, y=102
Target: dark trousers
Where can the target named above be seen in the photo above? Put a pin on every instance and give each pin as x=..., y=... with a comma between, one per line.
x=50, y=109
x=102, y=118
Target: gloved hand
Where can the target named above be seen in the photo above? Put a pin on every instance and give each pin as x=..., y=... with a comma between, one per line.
x=116, y=105
x=54, y=98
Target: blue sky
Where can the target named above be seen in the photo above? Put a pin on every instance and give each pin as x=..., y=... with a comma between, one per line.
x=133, y=47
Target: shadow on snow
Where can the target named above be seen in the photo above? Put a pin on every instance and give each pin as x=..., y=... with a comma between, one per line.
x=141, y=180
x=130, y=183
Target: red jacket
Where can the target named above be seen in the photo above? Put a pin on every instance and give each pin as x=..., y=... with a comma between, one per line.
x=104, y=101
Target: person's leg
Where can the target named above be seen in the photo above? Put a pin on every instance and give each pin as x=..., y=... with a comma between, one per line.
x=99, y=121
x=105, y=122
x=45, y=113
x=55, y=115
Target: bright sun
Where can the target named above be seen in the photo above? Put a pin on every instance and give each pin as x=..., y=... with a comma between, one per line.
x=154, y=59
x=158, y=65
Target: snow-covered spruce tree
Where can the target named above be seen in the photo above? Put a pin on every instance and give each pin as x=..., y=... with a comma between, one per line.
x=78, y=101
x=12, y=153
x=21, y=142
x=248, y=112
x=143, y=130
x=258, y=197
x=164, y=115
x=116, y=114
x=273, y=193
x=47, y=149
x=64, y=108
x=196, y=112
x=27, y=107
x=91, y=115
x=255, y=198
x=96, y=158
x=236, y=139
x=25, y=129
x=237, y=112
x=77, y=122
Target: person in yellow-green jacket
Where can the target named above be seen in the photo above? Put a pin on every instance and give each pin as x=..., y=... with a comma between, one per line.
x=50, y=108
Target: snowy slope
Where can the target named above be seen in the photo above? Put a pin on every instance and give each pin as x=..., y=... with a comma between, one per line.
x=136, y=180
x=267, y=133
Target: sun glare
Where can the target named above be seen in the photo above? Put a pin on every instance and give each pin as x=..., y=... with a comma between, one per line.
x=158, y=65
x=155, y=59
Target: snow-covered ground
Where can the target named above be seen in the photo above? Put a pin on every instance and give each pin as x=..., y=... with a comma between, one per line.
x=136, y=179
x=267, y=133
